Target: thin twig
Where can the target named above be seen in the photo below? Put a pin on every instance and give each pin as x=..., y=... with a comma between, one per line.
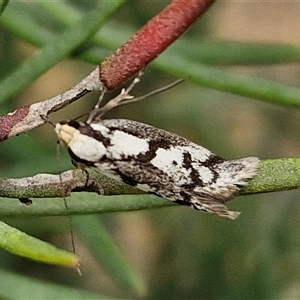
x=124, y=96
x=29, y=117
x=48, y=185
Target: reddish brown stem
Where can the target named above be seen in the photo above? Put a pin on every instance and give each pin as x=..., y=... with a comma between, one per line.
x=8, y=121
x=151, y=40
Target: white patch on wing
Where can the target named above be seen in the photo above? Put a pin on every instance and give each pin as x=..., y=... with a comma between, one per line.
x=165, y=158
x=124, y=144
x=197, y=152
x=100, y=127
x=86, y=147
x=170, y=161
x=205, y=173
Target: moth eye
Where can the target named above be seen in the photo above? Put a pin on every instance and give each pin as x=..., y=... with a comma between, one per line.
x=74, y=124
x=63, y=122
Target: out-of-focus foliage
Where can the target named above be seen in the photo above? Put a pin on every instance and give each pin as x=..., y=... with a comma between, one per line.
x=3, y=4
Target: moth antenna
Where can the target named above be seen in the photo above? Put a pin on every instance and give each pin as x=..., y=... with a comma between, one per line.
x=155, y=92
x=58, y=144
x=47, y=120
x=58, y=141
x=81, y=116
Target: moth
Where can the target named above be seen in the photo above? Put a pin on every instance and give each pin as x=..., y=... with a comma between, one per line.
x=155, y=160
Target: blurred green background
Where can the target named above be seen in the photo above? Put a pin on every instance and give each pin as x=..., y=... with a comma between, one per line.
x=176, y=252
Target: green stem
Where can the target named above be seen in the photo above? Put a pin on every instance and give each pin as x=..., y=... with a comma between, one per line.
x=274, y=175
x=214, y=78
x=81, y=204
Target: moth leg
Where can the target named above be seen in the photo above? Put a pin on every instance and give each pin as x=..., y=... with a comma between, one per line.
x=87, y=177
x=83, y=168
x=25, y=201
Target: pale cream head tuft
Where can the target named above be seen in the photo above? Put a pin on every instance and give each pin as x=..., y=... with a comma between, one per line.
x=65, y=132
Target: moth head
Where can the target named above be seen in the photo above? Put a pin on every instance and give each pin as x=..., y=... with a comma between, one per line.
x=67, y=130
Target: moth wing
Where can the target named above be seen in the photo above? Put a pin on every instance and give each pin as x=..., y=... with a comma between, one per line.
x=164, y=186
x=208, y=204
